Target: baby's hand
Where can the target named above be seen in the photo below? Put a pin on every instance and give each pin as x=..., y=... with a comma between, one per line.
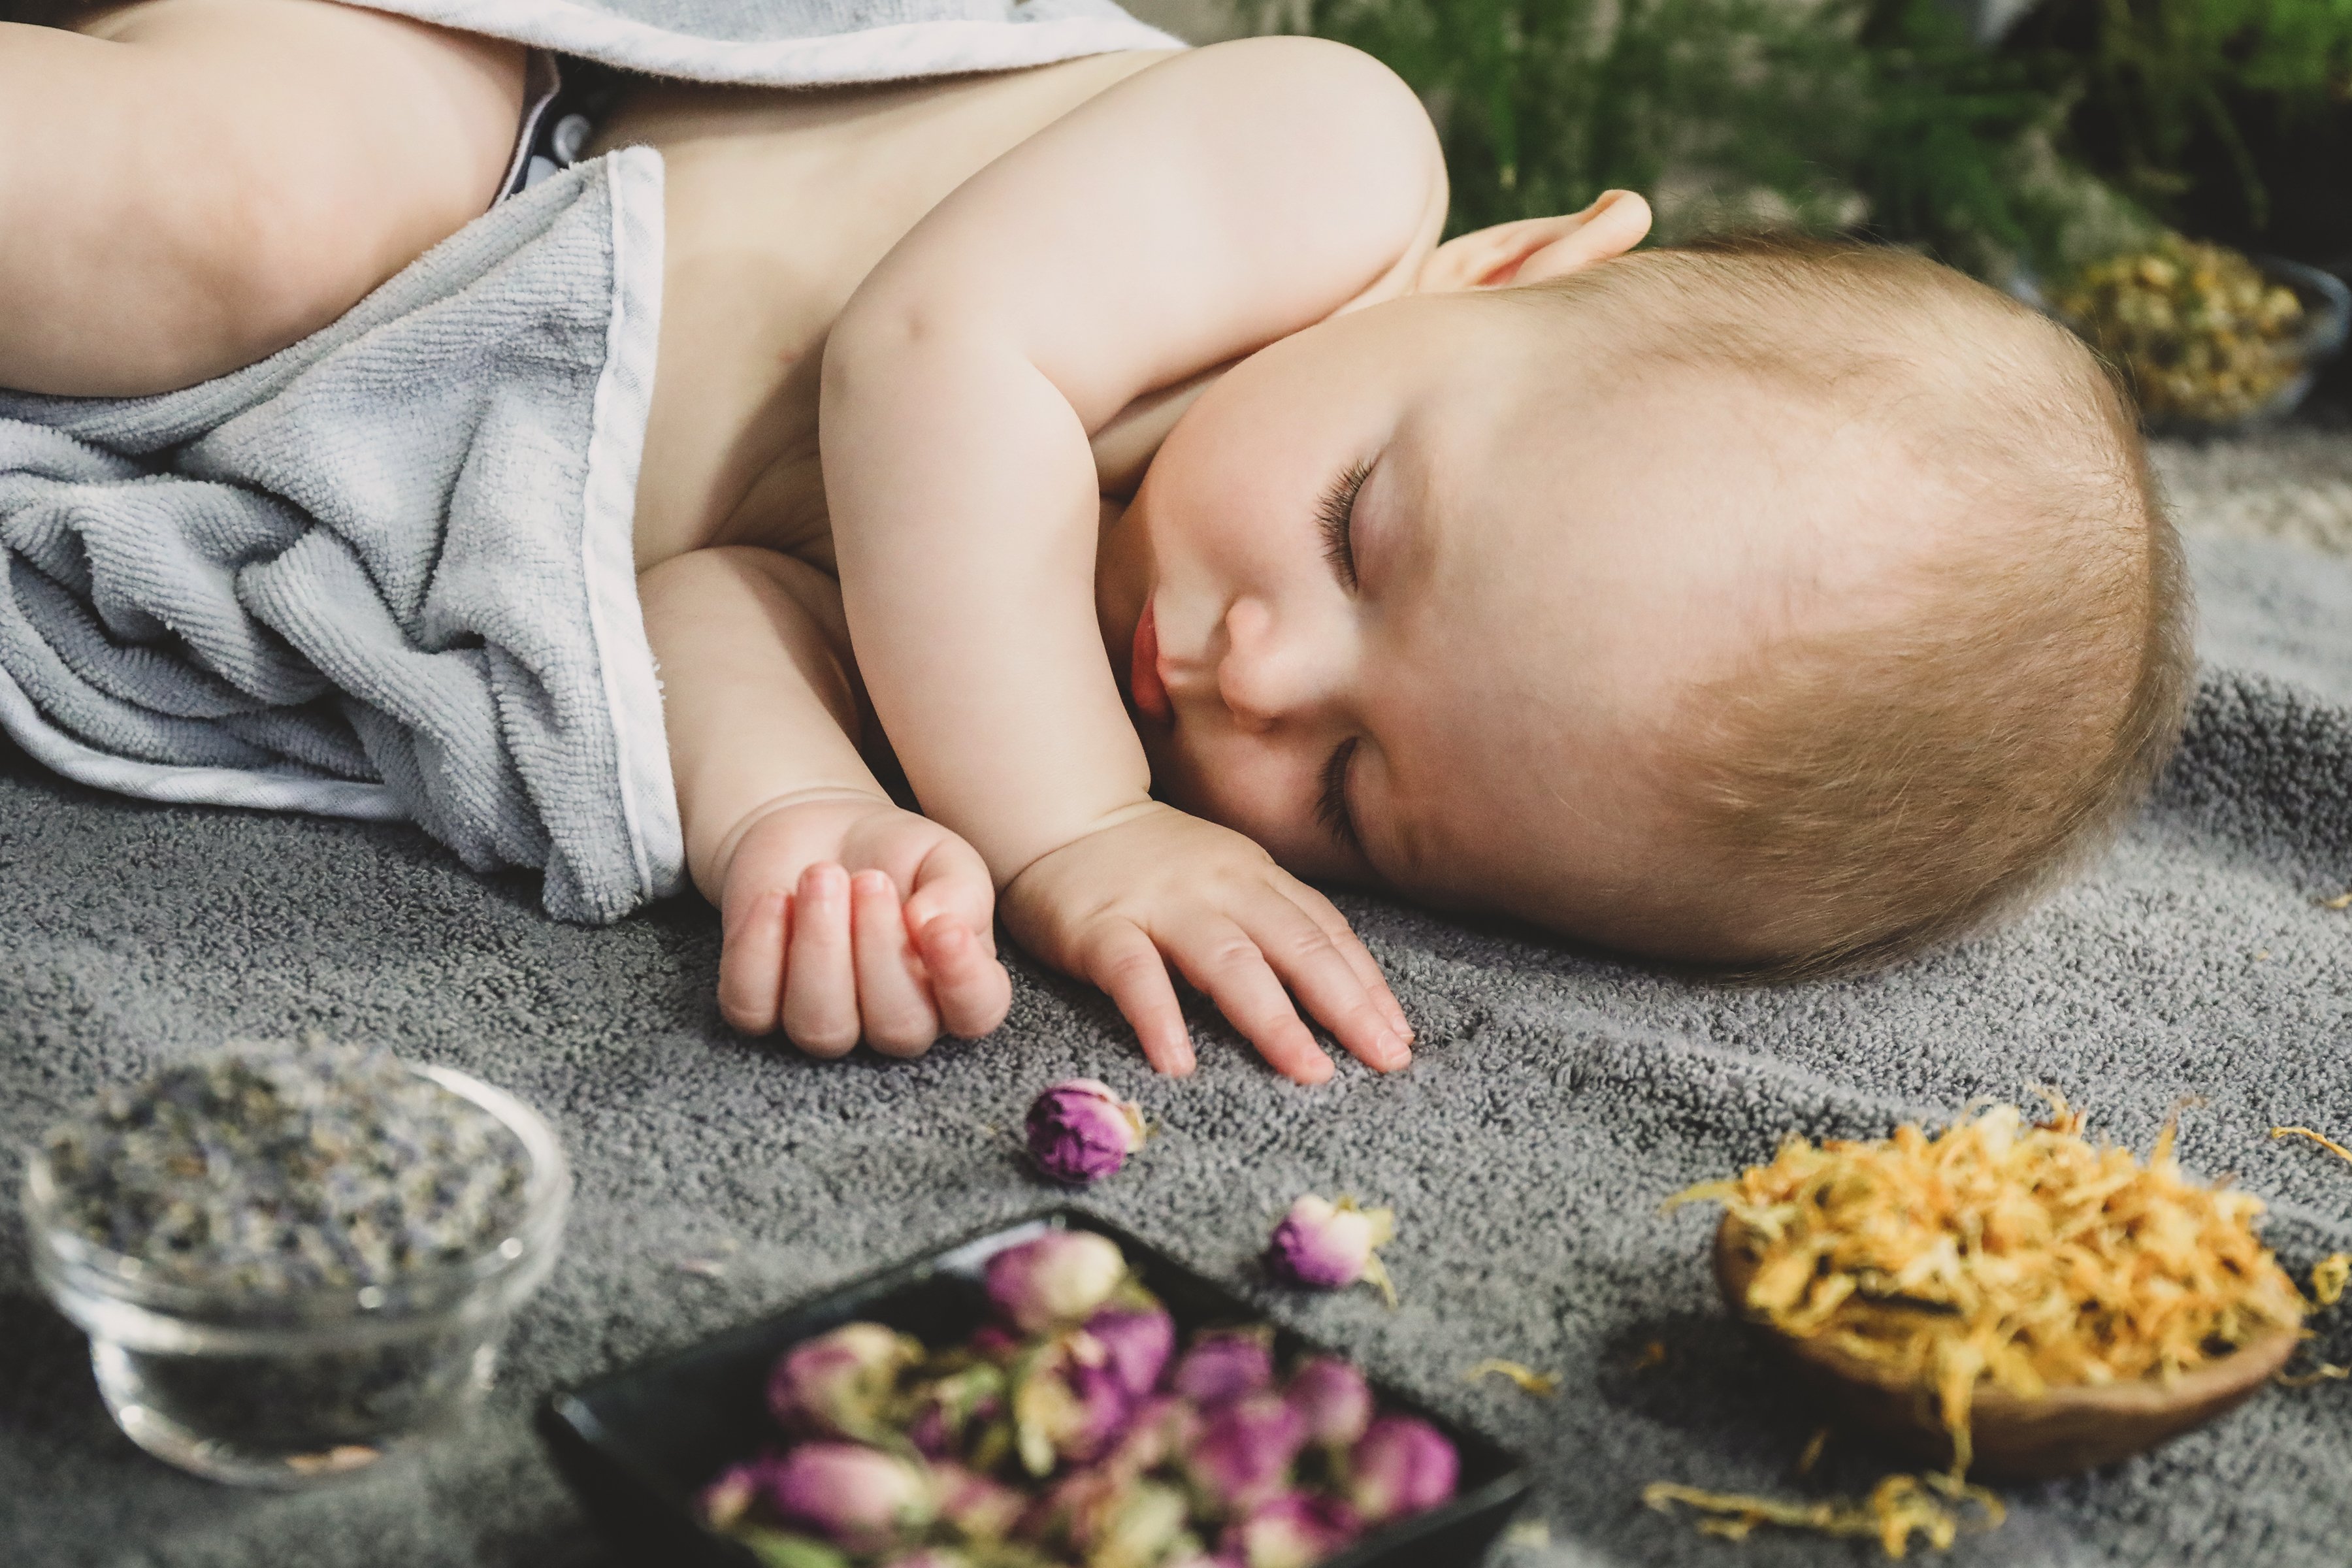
x=1106, y=907
x=847, y=919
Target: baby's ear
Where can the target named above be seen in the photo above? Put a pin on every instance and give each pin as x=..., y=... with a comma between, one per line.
x=1535, y=248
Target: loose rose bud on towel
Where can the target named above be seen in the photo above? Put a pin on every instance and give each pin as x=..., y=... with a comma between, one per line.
x=1292, y=1530
x=836, y=1384
x=859, y=1496
x=1223, y=1364
x=1333, y=1399
x=1244, y=1454
x=1081, y=1132
x=1402, y=1466
x=1326, y=1246
x=1060, y=1278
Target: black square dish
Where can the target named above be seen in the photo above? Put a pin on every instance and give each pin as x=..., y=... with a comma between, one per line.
x=637, y=1446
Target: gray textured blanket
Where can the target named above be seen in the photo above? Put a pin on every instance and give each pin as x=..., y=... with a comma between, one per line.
x=387, y=573
x=1556, y=1098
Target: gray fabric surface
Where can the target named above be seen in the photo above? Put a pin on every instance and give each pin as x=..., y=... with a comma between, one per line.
x=1556, y=1098
x=386, y=572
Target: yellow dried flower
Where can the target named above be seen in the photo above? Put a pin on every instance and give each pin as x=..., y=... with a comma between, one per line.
x=2003, y=1252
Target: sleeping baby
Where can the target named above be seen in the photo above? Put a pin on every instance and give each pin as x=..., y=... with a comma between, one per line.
x=1113, y=448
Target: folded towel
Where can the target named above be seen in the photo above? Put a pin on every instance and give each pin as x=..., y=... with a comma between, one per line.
x=388, y=571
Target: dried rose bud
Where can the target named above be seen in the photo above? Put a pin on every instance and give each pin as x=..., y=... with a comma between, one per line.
x=1245, y=1453
x=1060, y=1278
x=836, y=1384
x=728, y=1498
x=1140, y=1339
x=936, y=1415
x=1333, y=1398
x=929, y=1557
x=1068, y=1402
x=1163, y=1427
x=1132, y=1526
x=782, y=1549
x=1081, y=1132
x=859, y=1496
x=979, y=1508
x=1402, y=1466
x=1223, y=1364
x=1325, y=1246
x=1294, y=1529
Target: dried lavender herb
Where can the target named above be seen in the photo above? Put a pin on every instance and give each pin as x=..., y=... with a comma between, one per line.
x=268, y=1168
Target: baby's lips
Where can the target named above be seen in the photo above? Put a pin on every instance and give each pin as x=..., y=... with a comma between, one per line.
x=1144, y=680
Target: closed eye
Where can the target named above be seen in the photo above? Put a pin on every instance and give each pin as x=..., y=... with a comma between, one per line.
x=1332, y=802
x=1337, y=513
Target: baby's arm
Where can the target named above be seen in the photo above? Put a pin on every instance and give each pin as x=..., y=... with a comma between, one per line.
x=844, y=917
x=190, y=186
x=1213, y=203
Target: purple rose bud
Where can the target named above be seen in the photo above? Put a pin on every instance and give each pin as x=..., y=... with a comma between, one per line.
x=1401, y=1466
x=1060, y=1278
x=1245, y=1453
x=1325, y=1246
x=1334, y=1399
x=1163, y=1427
x=1294, y=1529
x=1081, y=1132
x=1223, y=1364
x=835, y=1385
x=937, y=1414
x=1068, y=1402
x=1139, y=1340
x=857, y=1496
x=979, y=1508
x=728, y=1498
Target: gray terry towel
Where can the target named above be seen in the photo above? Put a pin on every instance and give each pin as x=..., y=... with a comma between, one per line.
x=388, y=571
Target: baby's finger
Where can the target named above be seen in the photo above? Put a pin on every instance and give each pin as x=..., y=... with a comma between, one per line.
x=1315, y=968
x=969, y=987
x=891, y=997
x=953, y=879
x=819, y=1007
x=1126, y=966
x=1234, y=973
x=1359, y=958
x=752, y=959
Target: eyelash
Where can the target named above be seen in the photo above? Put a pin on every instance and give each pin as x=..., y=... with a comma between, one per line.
x=1331, y=803
x=1337, y=513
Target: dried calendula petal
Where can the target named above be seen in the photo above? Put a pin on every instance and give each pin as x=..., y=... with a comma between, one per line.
x=1542, y=1384
x=2328, y=1278
x=2005, y=1253
x=2330, y=1144
x=1898, y=1508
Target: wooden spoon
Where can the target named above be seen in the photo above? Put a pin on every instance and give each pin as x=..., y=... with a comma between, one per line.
x=2078, y=1427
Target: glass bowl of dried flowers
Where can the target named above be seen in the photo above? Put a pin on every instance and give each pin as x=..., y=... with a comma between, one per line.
x=294, y=1259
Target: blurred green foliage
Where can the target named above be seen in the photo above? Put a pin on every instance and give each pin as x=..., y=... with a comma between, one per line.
x=1879, y=116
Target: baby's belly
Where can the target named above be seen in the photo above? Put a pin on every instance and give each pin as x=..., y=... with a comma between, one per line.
x=778, y=206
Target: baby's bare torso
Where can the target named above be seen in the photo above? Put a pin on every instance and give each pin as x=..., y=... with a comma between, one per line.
x=778, y=204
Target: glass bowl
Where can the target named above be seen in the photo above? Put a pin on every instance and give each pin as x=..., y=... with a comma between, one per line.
x=296, y=1389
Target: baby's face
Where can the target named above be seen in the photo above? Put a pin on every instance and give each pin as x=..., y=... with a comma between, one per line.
x=1410, y=598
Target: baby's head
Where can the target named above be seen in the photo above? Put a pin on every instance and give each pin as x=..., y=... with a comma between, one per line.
x=1768, y=605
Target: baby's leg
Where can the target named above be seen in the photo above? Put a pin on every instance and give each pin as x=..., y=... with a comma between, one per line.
x=190, y=185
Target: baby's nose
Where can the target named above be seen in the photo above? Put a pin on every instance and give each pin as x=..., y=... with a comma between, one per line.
x=1264, y=677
